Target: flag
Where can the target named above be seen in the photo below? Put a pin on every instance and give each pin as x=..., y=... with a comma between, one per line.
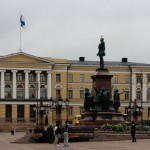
x=22, y=21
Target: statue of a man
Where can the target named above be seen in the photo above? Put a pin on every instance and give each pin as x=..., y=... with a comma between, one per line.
x=117, y=99
x=101, y=52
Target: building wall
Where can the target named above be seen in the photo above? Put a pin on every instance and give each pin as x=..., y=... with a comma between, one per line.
x=22, y=62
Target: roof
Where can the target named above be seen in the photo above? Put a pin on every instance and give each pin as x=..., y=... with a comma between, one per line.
x=109, y=63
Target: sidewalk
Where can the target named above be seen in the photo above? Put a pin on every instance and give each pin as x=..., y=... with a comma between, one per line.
x=6, y=139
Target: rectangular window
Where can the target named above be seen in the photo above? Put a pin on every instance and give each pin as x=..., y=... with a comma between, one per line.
x=70, y=111
x=70, y=94
x=81, y=94
x=126, y=95
x=20, y=112
x=81, y=78
x=7, y=77
x=58, y=93
x=70, y=78
x=148, y=111
x=138, y=95
x=58, y=78
x=42, y=77
x=115, y=79
x=19, y=77
x=126, y=79
x=139, y=79
x=148, y=79
x=81, y=110
x=32, y=113
x=31, y=77
x=148, y=94
x=8, y=113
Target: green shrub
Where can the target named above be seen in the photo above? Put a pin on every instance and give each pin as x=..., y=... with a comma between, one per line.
x=115, y=127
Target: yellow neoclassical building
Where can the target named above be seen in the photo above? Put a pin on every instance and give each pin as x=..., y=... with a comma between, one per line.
x=25, y=78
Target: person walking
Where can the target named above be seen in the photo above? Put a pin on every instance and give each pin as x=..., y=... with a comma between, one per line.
x=133, y=130
x=66, y=134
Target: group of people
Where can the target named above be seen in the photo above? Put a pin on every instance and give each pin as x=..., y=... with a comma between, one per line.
x=57, y=133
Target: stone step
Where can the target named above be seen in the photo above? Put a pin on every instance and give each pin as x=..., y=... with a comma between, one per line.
x=98, y=136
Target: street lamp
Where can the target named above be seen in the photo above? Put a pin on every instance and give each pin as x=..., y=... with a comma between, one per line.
x=134, y=110
x=57, y=105
x=41, y=111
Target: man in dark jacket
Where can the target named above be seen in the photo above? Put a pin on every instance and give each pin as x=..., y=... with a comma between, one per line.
x=133, y=129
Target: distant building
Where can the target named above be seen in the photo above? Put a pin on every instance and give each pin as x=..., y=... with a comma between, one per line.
x=24, y=78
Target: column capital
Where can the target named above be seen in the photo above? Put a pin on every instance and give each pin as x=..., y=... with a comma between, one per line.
x=26, y=71
x=37, y=71
x=2, y=70
x=49, y=71
x=14, y=71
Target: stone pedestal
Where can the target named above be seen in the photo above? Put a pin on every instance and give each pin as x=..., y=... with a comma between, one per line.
x=101, y=79
x=99, y=118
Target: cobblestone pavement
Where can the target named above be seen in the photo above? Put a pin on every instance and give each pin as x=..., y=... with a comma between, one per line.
x=7, y=138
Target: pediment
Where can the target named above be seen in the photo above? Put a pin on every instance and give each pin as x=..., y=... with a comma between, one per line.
x=23, y=57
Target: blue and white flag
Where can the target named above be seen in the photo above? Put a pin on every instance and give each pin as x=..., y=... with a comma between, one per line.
x=22, y=21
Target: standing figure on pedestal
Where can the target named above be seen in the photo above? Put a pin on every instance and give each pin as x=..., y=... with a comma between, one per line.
x=88, y=100
x=117, y=99
x=101, y=52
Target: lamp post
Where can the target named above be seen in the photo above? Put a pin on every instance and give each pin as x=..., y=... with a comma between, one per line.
x=57, y=105
x=134, y=110
x=67, y=104
x=41, y=111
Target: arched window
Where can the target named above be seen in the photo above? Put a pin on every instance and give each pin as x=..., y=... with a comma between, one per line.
x=7, y=91
x=138, y=94
x=58, y=91
x=148, y=94
x=127, y=93
x=32, y=93
x=31, y=77
x=19, y=91
x=43, y=91
x=70, y=93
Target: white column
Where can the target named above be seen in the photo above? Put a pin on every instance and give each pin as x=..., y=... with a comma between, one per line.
x=38, y=83
x=49, y=84
x=2, y=83
x=133, y=86
x=14, y=83
x=144, y=90
x=26, y=84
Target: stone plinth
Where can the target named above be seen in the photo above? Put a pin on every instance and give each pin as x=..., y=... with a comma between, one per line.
x=99, y=118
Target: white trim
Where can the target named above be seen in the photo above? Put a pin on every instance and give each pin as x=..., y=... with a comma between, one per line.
x=80, y=71
x=33, y=69
x=22, y=53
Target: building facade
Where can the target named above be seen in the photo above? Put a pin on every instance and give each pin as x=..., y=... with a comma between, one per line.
x=26, y=79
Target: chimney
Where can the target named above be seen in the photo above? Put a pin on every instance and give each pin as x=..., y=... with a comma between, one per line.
x=81, y=58
x=124, y=60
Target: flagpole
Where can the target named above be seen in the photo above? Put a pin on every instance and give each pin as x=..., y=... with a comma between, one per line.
x=20, y=34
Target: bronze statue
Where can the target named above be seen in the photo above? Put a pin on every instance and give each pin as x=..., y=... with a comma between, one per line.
x=88, y=100
x=117, y=99
x=101, y=52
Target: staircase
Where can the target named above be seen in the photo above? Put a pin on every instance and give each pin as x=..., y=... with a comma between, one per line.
x=25, y=139
x=18, y=126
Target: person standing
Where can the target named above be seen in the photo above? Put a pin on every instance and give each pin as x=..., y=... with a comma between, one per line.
x=57, y=133
x=66, y=134
x=13, y=130
x=133, y=129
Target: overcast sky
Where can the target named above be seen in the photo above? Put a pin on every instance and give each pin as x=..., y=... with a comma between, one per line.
x=72, y=28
